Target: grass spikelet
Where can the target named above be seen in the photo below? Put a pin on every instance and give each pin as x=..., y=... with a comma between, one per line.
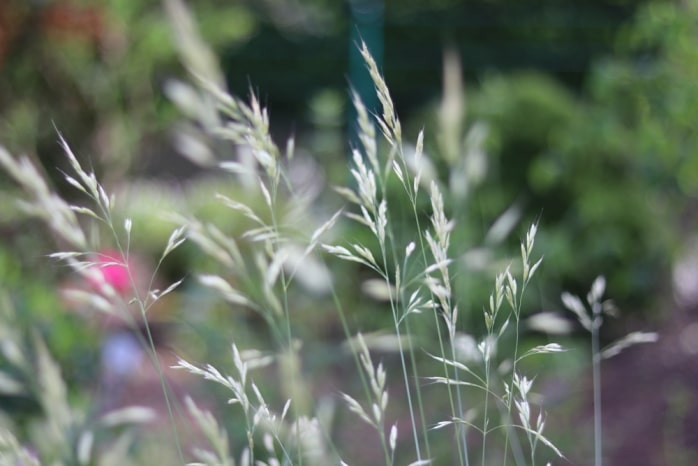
x=389, y=123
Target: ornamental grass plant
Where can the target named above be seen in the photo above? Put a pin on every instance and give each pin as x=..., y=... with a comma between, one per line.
x=429, y=387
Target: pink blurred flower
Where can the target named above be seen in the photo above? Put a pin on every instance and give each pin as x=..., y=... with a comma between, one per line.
x=111, y=269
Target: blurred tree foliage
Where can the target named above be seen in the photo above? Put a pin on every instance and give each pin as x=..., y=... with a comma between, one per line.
x=95, y=70
x=637, y=136
x=287, y=64
x=610, y=171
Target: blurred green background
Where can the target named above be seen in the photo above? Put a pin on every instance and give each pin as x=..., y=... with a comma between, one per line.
x=578, y=115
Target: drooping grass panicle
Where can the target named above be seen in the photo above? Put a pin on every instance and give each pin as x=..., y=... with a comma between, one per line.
x=45, y=204
x=263, y=425
x=631, y=339
x=241, y=123
x=366, y=183
x=194, y=52
x=533, y=429
x=526, y=249
x=367, y=132
x=388, y=122
x=452, y=107
x=237, y=385
x=378, y=399
x=216, y=436
x=440, y=242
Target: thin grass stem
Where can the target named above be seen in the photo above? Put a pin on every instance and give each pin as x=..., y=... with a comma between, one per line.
x=596, y=376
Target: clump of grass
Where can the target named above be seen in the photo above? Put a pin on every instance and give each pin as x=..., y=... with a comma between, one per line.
x=411, y=295
x=489, y=398
x=294, y=435
x=64, y=433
